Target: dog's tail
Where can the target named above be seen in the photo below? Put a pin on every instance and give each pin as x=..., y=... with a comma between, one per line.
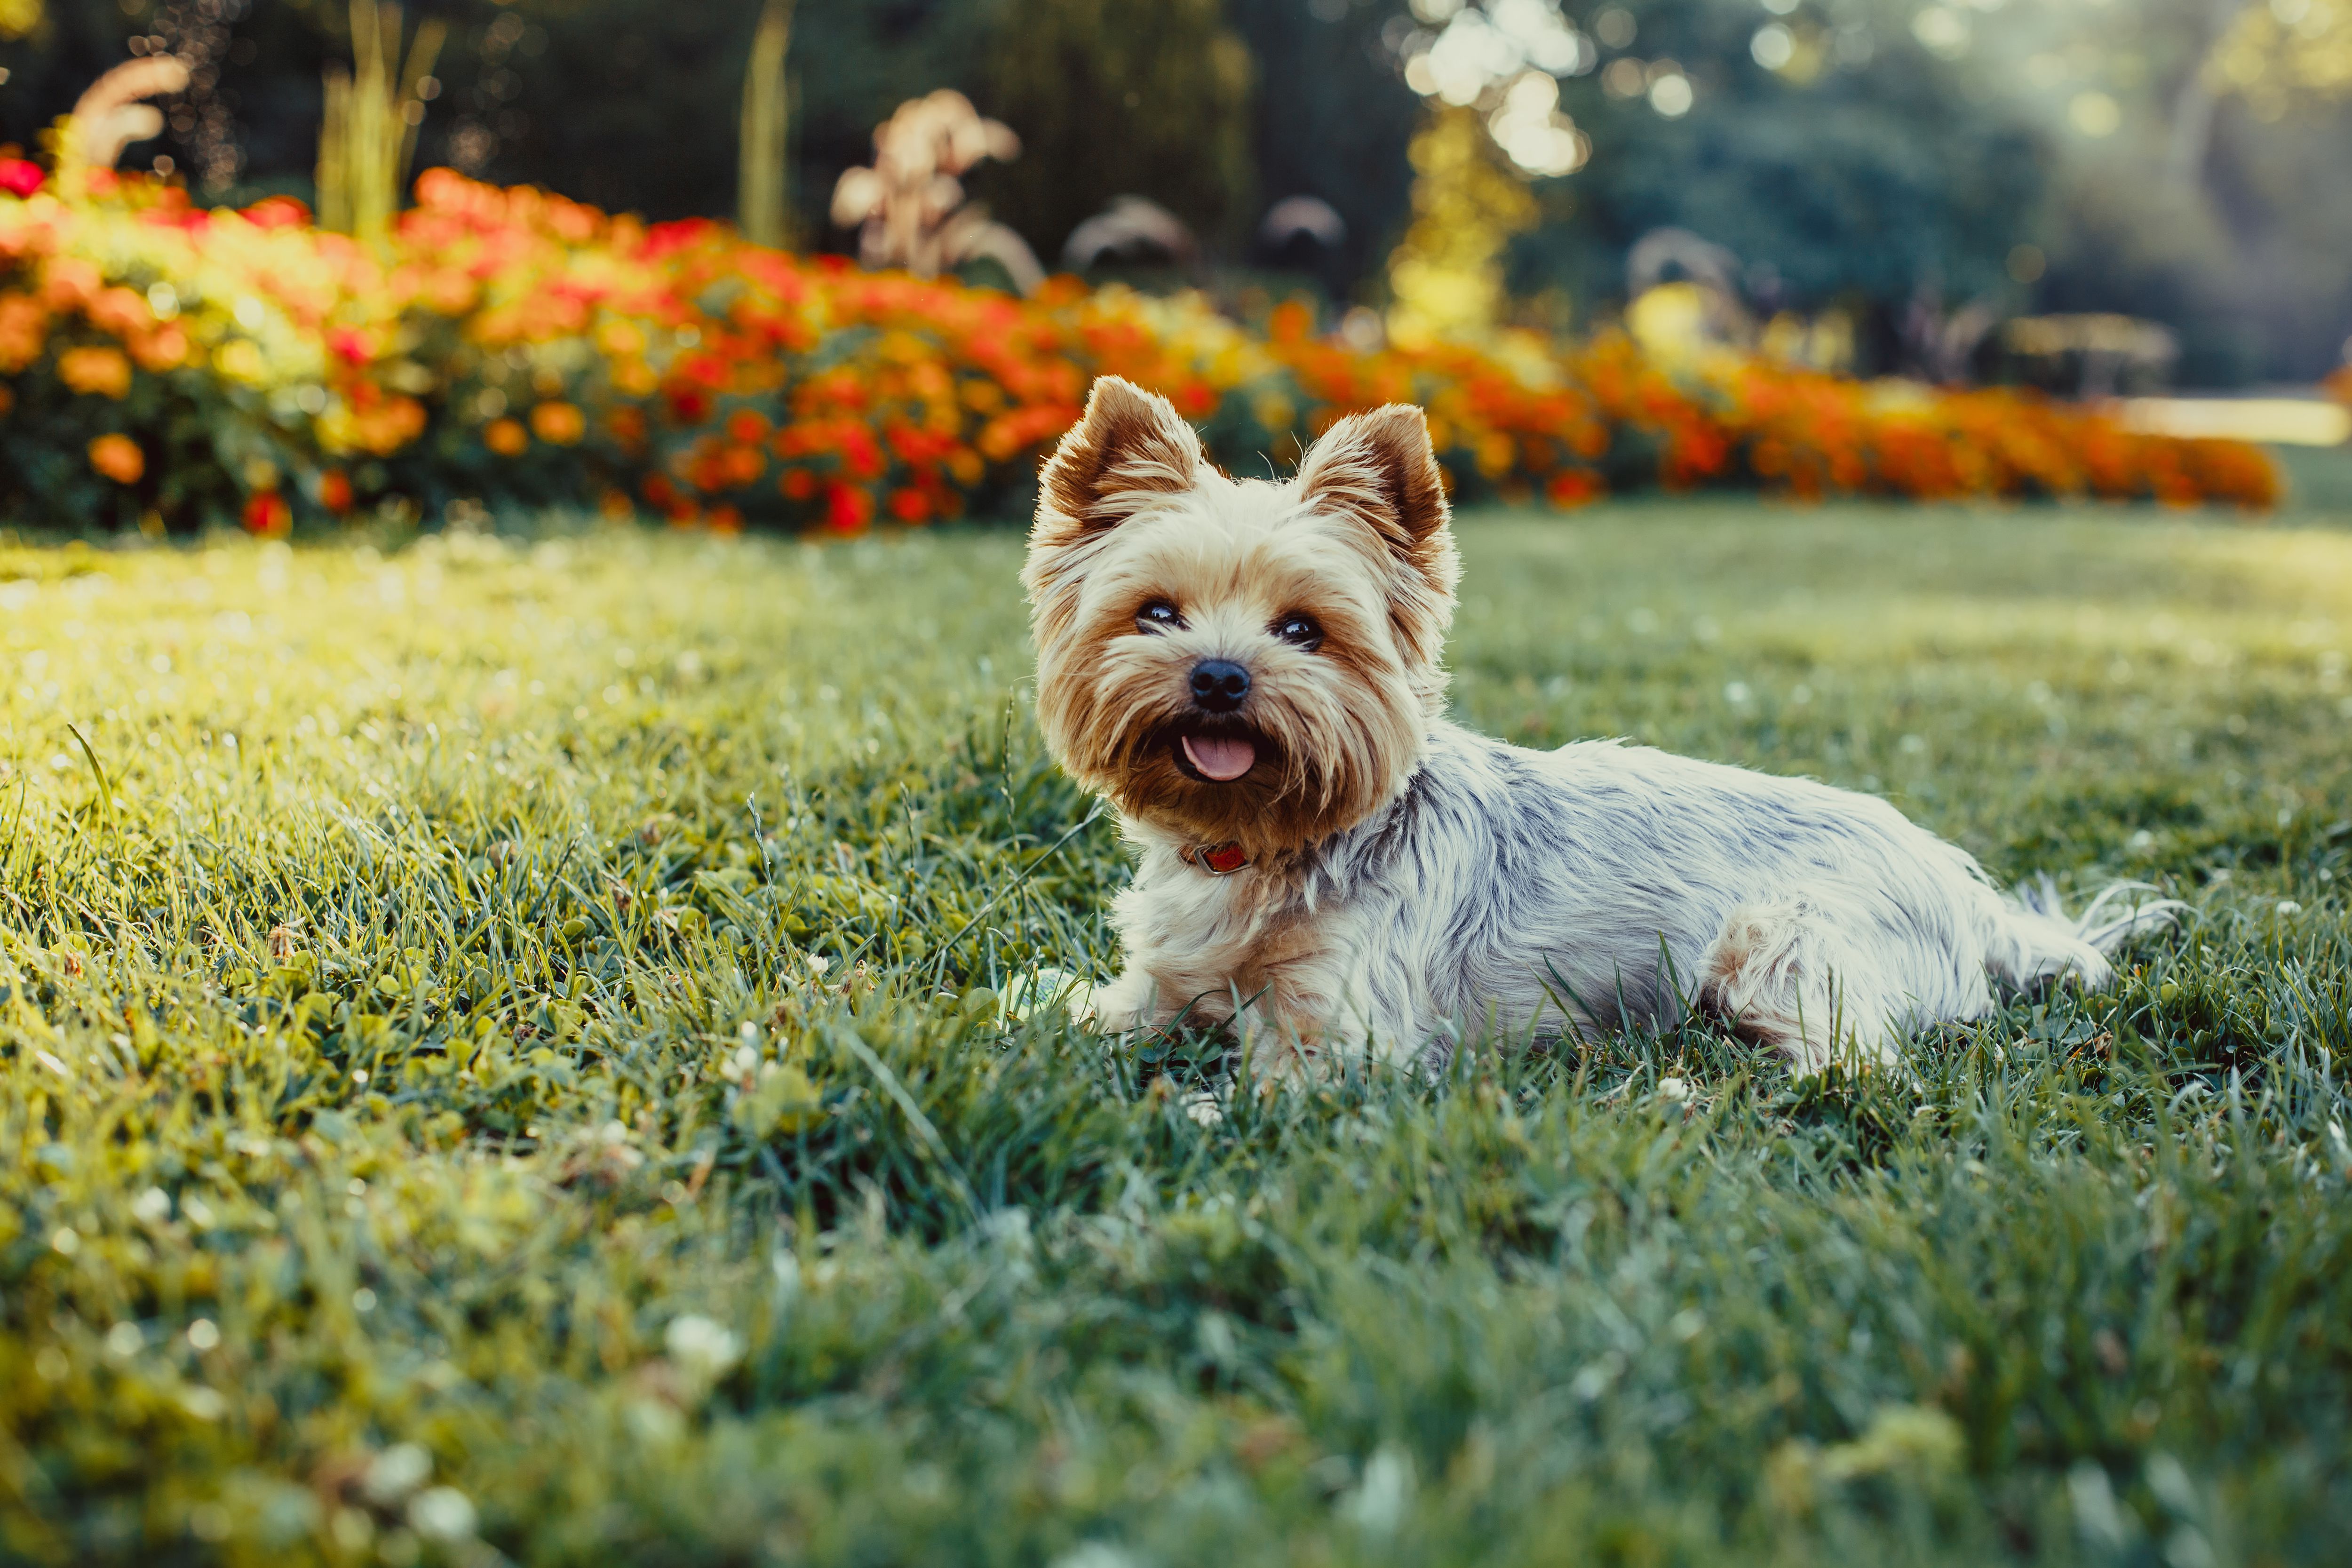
x=2038, y=940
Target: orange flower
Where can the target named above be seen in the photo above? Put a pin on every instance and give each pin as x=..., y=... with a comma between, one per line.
x=105, y=371
x=159, y=350
x=836, y=396
x=119, y=458
x=24, y=327
x=743, y=465
x=559, y=424
x=71, y=283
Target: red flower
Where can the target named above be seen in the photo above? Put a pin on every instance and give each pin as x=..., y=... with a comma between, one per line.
x=19, y=178
x=847, y=509
x=267, y=515
x=278, y=212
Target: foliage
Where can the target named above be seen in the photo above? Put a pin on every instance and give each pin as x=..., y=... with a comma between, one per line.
x=496, y=1051
x=516, y=347
x=1868, y=167
x=1861, y=169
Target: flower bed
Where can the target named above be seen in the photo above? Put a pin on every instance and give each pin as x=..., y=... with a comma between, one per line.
x=166, y=366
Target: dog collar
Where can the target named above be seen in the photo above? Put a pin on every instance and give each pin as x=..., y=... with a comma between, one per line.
x=1217, y=859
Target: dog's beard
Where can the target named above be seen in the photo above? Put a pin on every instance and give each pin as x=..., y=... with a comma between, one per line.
x=1286, y=770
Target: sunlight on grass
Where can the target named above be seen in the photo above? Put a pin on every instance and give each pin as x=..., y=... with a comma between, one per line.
x=498, y=1056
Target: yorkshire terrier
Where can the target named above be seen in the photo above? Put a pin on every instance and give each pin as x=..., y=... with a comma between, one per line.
x=1251, y=671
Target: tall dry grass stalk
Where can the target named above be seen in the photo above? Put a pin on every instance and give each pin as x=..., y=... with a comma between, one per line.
x=763, y=188
x=113, y=113
x=369, y=137
x=909, y=208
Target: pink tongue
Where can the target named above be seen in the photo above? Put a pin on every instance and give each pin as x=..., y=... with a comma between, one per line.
x=1219, y=759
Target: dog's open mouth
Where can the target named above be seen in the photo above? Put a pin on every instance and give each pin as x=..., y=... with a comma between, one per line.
x=1218, y=756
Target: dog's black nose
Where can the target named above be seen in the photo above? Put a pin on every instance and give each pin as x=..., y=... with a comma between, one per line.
x=1219, y=685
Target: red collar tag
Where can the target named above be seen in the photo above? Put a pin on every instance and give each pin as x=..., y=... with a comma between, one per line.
x=1218, y=861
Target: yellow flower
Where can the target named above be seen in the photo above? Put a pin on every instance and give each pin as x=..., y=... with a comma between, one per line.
x=558, y=424
x=104, y=371
x=119, y=458
x=240, y=359
x=1496, y=453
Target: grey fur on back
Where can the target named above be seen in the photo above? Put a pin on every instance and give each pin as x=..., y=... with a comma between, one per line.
x=1584, y=887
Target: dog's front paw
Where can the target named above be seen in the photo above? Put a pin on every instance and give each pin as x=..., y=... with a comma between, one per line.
x=1123, y=1005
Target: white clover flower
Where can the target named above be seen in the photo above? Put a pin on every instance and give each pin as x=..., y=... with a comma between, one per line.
x=442, y=1513
x=397, y=1472
x=704, y=1350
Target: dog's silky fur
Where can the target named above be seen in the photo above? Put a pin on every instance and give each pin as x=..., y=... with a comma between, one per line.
x=1410, y=884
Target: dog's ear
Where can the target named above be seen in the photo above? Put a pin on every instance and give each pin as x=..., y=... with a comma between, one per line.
x=1128, y=446
x=1379, y=468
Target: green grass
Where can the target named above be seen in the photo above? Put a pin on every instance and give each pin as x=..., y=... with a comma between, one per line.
x=2318, y=481
x=426, y=1135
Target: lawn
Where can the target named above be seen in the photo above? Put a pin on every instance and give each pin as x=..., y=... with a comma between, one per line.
x=498, y=1061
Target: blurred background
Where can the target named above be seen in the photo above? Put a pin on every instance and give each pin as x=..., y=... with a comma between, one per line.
x=2092, y=194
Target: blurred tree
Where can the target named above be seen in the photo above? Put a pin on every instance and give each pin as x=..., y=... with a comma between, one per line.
x=1467, y=204
x=1335, y=121
x=2198, y=169
x=1117, y=97
x=631, y=104
x=2275, y=53
x=1861, y=168
x=2181, y=160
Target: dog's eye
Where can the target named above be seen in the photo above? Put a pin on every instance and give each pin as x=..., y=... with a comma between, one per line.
x=1300, y=631
x=1159, y=613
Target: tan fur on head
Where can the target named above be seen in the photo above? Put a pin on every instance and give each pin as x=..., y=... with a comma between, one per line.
x=1131, y=513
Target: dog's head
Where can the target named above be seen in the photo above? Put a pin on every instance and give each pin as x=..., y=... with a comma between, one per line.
x=1239, y=661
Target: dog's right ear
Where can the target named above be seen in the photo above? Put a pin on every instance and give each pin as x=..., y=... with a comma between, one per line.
x=1129, y=446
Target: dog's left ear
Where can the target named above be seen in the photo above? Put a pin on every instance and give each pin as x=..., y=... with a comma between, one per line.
x=1130, y=445
x=1379, y=468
